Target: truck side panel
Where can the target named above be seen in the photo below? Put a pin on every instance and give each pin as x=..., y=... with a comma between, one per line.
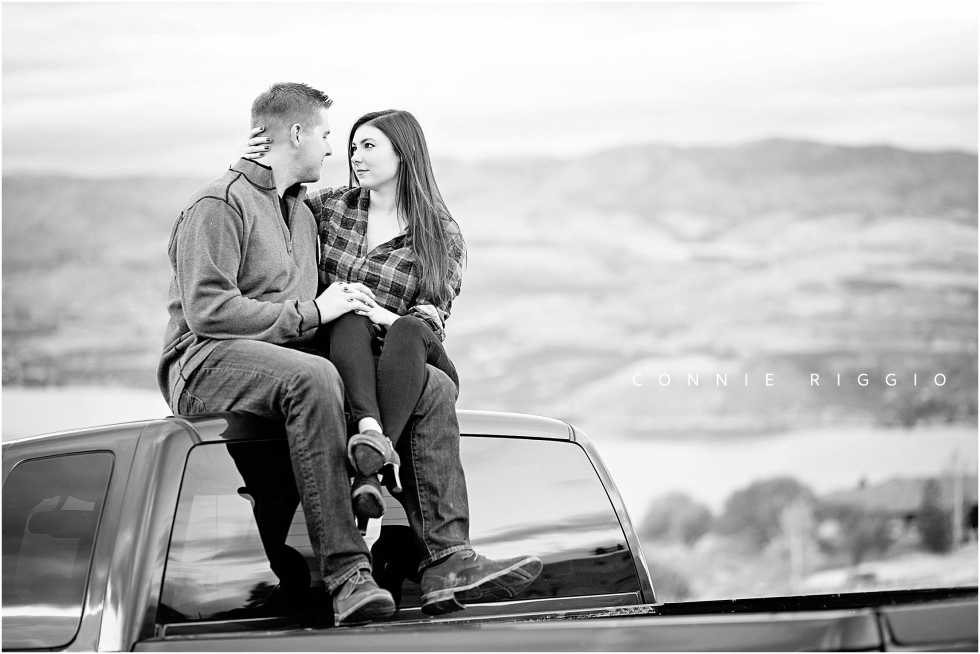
x=826, y=631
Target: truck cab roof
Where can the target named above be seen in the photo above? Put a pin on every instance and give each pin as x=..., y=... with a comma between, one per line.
x=240, y=426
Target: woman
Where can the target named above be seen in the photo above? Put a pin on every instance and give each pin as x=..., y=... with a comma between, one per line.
x=391, y=231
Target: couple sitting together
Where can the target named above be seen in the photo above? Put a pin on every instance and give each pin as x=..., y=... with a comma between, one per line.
x=336, y=338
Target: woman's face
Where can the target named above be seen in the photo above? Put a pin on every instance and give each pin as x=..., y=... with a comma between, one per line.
x=373, y=158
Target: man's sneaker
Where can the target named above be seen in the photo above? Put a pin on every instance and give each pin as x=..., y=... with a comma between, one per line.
x=359, y=601
x=470, y=577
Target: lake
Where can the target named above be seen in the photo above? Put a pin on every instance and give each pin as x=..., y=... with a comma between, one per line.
x=826, y=459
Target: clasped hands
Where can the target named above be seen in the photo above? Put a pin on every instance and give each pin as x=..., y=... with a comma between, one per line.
x=340, y=297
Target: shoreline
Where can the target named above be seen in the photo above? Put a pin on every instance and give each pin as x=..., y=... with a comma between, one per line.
x=707, y=468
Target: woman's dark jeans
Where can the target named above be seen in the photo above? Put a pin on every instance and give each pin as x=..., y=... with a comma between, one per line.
x=389, y=392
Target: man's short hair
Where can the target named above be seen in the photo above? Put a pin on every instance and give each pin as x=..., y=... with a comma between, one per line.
x=287, y=103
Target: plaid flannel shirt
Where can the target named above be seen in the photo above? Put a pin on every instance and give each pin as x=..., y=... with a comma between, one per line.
x=389, y=269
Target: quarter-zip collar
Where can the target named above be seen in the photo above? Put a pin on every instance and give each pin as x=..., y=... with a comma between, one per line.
x=261, y=177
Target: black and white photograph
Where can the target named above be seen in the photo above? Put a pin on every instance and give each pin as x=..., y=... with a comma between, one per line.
x=428, y=326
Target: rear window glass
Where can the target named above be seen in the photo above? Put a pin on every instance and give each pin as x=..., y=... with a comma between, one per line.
x=51, y=512
x=526, y=497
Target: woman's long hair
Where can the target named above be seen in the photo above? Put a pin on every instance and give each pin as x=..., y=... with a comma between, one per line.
x=419, y=200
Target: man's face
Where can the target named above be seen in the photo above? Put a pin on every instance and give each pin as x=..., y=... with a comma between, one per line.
x=313, y=149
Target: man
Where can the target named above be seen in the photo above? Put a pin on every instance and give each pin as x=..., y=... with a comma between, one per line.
x=243, y=316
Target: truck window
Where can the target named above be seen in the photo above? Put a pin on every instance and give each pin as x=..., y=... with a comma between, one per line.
x=240, y=547
x=51, y=512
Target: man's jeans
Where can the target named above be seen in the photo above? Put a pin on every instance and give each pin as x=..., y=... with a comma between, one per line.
x=305, y=392
x=434, y=489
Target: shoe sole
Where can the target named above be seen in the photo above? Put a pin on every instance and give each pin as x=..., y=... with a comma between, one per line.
x=376, y=606
x=364, y=456
x=367, y=502
x=500, y=585
x=448, y=604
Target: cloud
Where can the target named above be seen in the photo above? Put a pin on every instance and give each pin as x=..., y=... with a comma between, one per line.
x=122, y=87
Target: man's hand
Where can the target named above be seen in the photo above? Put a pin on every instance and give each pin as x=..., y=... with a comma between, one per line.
x=339, y=298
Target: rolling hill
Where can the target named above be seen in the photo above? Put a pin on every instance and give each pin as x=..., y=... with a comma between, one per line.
x=778, y=257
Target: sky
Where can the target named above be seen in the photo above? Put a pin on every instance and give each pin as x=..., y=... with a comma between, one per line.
x=118, y=89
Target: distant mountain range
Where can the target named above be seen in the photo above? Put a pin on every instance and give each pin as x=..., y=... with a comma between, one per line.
x=591, y=278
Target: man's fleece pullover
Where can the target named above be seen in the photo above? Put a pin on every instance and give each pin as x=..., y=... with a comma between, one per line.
x=239, y=272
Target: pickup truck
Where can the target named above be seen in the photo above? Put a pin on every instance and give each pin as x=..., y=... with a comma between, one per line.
x=146, y=537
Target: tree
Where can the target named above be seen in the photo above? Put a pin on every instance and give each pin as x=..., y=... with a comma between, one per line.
x=797, y=524
x=934, y=519
x=754, y=511
x=863, y=532
x=676, y=517
x=671, y=585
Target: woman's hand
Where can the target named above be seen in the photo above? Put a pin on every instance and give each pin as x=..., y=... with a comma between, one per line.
x=378, y=314
x=256, y=146
x=339, y=298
